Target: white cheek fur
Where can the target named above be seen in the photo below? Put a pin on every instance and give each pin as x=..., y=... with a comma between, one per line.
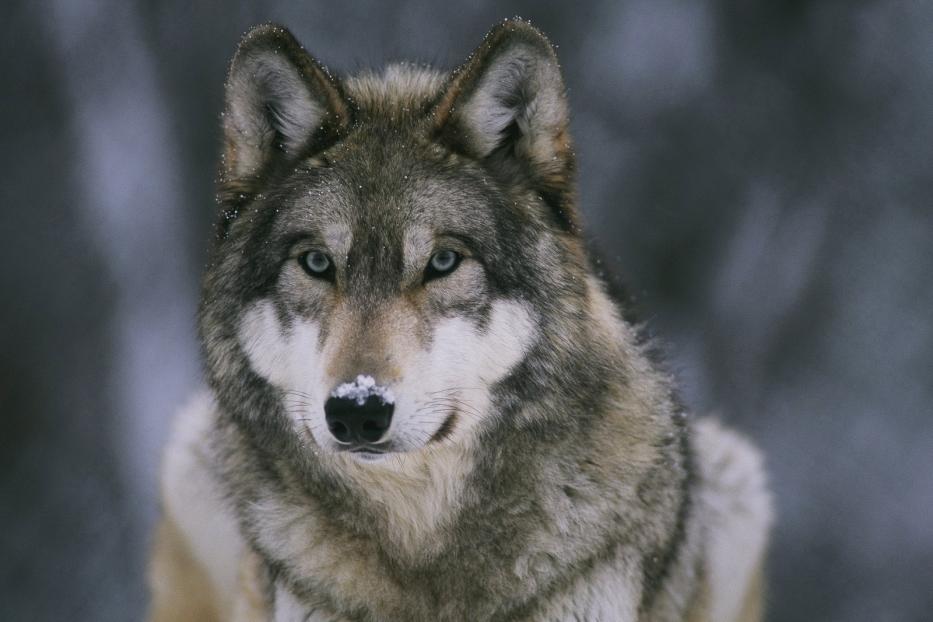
x=455, y=373
x=290, y=359
x=458, y=370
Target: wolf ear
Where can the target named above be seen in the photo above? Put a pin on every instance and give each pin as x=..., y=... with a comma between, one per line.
x=278, y=99
x=507, y=106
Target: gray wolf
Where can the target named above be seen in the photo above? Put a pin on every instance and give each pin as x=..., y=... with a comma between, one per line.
x=422, y=403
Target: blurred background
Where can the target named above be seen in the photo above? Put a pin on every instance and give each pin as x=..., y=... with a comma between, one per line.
x=760, y=173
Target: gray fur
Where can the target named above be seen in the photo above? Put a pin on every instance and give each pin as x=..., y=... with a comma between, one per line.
x=580, y=496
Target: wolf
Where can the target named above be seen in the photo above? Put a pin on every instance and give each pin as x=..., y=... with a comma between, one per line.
x=423, y=404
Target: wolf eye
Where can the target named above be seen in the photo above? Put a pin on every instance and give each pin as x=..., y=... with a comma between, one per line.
x=441, y=264
x=317, y=264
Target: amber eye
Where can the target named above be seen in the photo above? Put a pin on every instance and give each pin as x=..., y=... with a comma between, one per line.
x=441, y=264
x=317, y=264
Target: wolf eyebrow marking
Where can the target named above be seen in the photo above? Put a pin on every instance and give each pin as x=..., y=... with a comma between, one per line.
x=463, y=238
x=304, y=235
x=294, y=245
x=329, y=237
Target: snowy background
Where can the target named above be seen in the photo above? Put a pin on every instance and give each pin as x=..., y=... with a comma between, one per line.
x=759, y=172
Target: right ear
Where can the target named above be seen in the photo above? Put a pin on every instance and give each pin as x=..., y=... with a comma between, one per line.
x=506, y=107
x=278, y=101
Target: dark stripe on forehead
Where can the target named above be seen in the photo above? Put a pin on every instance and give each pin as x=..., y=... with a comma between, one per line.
x=375, y=263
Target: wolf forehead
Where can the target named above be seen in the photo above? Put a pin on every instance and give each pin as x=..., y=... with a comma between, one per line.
x=399, y=91
x=382, y=179
x=502, y=115
x=382, y=168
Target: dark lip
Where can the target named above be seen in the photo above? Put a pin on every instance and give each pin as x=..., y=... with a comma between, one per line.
x=364, y=449
x=447, y=427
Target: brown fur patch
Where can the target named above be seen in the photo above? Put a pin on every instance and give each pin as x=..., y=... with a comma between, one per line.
x=254, y=593
x=753, y=605
x=698, y=610
x=180, y=588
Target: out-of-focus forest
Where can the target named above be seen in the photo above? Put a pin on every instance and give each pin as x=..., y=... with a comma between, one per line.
x=759, y=173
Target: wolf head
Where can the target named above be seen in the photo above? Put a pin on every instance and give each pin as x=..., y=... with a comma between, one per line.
x=393, y=249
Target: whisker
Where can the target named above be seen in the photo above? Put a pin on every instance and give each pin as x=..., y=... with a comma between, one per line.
x=453, y=389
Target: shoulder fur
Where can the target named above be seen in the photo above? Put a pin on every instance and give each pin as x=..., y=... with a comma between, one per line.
x=738, y=512
x=198, y=537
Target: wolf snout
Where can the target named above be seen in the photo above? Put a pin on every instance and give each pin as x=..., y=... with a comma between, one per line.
x=359, y=411
x=352, y=422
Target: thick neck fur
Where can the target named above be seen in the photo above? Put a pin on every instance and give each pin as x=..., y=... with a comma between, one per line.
x=452, y=527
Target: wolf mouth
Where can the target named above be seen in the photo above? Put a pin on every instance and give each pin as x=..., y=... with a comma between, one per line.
x=366, y=449
x=446, y=428
x=368, y=454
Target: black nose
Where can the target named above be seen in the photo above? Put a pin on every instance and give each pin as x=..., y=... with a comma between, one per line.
x=350, y=421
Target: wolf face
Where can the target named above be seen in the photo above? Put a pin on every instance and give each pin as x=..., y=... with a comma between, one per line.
x=390, y=245
x=377, y=353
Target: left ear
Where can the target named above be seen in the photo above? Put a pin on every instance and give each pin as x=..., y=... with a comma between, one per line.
x=507, y=107
x=279, y=100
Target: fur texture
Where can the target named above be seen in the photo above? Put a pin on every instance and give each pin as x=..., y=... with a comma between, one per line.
x=538, y=465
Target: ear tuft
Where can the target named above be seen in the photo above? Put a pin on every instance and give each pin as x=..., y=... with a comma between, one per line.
x=278, y=99
x=507, y=105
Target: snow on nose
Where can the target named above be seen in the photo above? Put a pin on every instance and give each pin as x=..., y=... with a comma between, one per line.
x=362, y=388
